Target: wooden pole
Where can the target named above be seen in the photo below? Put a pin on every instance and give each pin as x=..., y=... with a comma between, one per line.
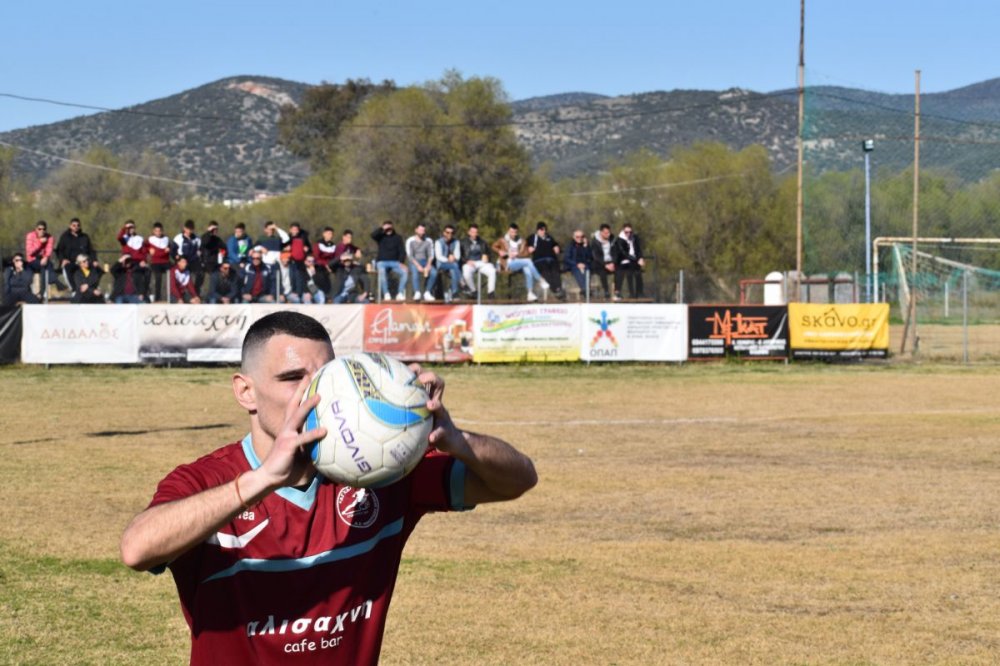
x=802, y=106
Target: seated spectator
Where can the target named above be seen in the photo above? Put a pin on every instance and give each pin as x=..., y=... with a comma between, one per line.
x=314, y=282
x=238, y=246
x=391, y=257
x=577, y=259
x=224, y=285
x=256, y=281
x=182, y=283
x=545, y=251
x=420, y=256
x=133, y=244
x=513, y=256
x=287, y=275
x=476, y=254
x=87, y=281
x=38, y=248
x=447, y=254
x=158, y=247
x=325, y=250
x=129, y=281
x=629, y=262
x=602, y=262
x=350, y=283
x=17, y=282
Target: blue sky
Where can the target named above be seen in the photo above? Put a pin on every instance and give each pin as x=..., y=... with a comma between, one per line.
x=115, y=54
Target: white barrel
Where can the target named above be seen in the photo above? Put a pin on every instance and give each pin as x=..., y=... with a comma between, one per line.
x=774, y=288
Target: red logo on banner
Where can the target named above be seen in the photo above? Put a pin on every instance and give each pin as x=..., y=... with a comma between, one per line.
x=420, y=332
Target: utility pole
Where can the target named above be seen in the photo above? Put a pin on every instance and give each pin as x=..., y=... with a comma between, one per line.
x=911, y=315
x=802, y=106
x=867, y=146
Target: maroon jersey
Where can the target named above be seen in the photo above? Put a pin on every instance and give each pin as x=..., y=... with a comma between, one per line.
x=305, y=576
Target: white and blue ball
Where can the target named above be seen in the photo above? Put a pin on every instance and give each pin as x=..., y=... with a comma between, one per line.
x=376, y=417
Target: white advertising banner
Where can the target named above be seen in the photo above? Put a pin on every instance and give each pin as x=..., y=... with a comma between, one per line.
x=505, y=333
x=344, y=322
x=79, y=334
x=170, y=333
x=632, y=332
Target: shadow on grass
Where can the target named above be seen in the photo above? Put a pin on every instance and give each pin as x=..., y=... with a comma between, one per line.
x=146, y=431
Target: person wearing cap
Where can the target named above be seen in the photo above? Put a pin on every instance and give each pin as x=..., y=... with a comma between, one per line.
x=545, y=252
x=391, y=258
x=350, y=283
x=87, y=281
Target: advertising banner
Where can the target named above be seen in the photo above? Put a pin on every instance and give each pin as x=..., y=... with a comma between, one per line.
x=859, y=330
x=505, y=333
x=10, y=334
x=615, y=332
x=421, y=333
x=79, y=334
x=741, y=331
x=344, y=322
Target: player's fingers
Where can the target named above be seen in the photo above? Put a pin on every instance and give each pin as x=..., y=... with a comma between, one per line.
x=298, y=417
x=310, y=436
x=433, y=384
x=296, y=398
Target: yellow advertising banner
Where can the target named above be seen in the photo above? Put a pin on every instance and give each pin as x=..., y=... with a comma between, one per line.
x=831, y=331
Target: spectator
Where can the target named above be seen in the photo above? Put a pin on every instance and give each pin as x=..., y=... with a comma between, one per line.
x=213, y=250
x=129, y=281
x=420, y=256
x=325, y=250
x=256, y=280
x=272, y=242
x=87, y=281
x=512, y=257
x=545, y=251
x=298, y=244
x=287, y=275
x=350, y=281
x=182, y=283
x=238, y=246
x=158, y=247
x=577, y=259
x=602, y=260
x=17, y=282
x=132, y=243
x=224, y=285
x=72, y=243
x=391, y=257
x=346, y=244
x=38, y=248
x=447, y=254
x=187, y=244
x=629, y=262
x=314, y=282
x=477, y=260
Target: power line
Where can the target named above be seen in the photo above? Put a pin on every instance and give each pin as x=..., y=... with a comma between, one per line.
x=131, y=112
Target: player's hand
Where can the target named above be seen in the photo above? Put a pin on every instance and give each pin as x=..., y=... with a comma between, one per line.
x=445, y=436
x=287, y=461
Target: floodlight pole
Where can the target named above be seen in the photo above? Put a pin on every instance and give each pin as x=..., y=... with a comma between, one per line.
x=868, y=145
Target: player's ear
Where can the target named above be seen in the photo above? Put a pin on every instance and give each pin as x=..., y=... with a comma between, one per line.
x=243, y=390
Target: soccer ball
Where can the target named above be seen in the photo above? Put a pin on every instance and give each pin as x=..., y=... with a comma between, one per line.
x=375, y=414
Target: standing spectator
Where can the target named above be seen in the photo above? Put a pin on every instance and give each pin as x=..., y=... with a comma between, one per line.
x=238, y=246
x=224, y=285
x=298, y=244
x=213, y=250
x=602, y=260
x=346, y=244
x=133, y=244
x=87, y=281
x=38, y=247
x=187, y=244
x=325, y=250
x=476, y=253
x=349, y=281
x=512, y=256
x=72, y=243
x=314, y=283
x=391, y=257
x=629, y=262
x=577, y=259
x=287, y=275
x=272, y=242
x=129, y=281
x=420, y=256
x=256, y=280
x=182, y=283
x=545, y=251
x=17, y=282
x=158, y=246
x=448, y=253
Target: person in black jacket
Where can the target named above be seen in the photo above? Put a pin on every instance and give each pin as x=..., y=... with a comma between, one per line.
x=350, y=283
x=87, y=281
x=602, y=259
x=391, y=257
x=224, y=285
x=213, y=251
x=545, y=251
x=17, y=282
x=629, y=262
x=577, y=260
x=72, y=243
x=129, y=281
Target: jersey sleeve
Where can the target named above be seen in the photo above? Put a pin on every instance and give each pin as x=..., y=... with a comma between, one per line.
x=438, y=484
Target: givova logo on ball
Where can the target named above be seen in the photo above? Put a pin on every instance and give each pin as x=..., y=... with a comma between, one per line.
x=389, y=414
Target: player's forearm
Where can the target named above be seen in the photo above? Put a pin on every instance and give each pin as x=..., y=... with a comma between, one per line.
x=503, y=471
x=162, y=533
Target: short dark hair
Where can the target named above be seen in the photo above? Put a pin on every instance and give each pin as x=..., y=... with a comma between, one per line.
x=513, y=225
x=157, y=225
x=449, y=226
x=75, y=219
x=605, y=226
x=295, y=324
x=42, y=223
x=330, y=229
x=240, y=225
x=347, y=231
x=474, y=226
x=542, y=225
x=189, y=224
x=269, y=223
x=295, y=225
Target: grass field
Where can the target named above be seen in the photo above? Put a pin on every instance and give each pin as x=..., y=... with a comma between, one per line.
x=699, y=514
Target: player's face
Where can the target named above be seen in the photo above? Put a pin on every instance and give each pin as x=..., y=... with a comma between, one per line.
x=279, y=368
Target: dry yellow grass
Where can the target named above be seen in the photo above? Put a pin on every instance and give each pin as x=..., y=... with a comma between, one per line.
x=710, y=514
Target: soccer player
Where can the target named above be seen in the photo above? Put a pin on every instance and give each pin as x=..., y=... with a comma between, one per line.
x=274, y=564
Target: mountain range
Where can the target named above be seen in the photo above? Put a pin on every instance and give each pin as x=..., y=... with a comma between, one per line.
x=223, y=135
